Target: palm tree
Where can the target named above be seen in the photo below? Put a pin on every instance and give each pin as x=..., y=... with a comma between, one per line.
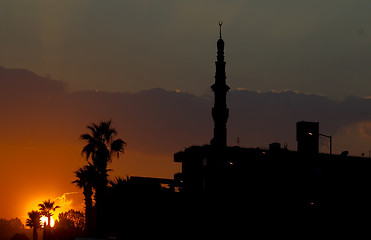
x=46, y=208
x=86, y=176
x=101, y=147
x=34, y=222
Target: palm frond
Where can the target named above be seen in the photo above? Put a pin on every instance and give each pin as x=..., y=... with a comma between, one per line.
x=118, y=146
x=101, y=146
x=81, y=179
x=87, y=136
x=33, y=220
x=96, y=131
x=46, y=207
x=88, y=150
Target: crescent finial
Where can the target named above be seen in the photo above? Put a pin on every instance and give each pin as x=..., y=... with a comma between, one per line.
x=220, y=28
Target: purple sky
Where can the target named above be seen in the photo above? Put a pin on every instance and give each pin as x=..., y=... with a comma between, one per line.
x=321, y=47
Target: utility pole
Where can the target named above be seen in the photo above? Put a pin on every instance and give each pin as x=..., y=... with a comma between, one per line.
x=330, y=137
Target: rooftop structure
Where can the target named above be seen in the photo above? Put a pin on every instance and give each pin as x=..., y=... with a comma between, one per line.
x=269, y=176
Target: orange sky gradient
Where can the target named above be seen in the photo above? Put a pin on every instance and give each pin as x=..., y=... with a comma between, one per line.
x=148, y=66
x=42, y=168
x=40, y=150
x=41, y=123
x=39, y=165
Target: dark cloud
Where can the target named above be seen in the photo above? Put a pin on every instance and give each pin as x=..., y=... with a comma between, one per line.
x=23, y=82
x=160, y=121
x=262, y=118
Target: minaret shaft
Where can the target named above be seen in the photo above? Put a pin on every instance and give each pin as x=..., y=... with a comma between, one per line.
x=220, y=112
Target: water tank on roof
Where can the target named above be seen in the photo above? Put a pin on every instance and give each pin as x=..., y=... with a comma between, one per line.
x=274, y=146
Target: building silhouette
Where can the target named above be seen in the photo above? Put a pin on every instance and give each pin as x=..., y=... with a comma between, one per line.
x=219, y=184
x=274, y=176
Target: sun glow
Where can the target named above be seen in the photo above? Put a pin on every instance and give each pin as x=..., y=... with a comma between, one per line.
x=45, y=220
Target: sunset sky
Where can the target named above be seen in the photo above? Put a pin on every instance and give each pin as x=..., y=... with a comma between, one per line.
x=148, y=66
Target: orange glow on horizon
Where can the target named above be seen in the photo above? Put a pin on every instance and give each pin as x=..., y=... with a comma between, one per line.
x=64, y=201
x=45, y=220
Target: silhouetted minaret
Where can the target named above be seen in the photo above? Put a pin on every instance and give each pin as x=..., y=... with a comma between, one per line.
x=220, y=111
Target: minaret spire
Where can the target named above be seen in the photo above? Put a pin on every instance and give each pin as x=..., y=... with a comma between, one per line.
x=220, y=112
x=220, y=29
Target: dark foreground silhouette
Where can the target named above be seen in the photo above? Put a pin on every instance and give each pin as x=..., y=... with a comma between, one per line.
x=222, y=191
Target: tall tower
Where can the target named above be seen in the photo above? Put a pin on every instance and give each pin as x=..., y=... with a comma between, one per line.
x=220, y=112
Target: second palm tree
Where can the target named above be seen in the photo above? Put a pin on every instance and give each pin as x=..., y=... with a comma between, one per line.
x=101, y=147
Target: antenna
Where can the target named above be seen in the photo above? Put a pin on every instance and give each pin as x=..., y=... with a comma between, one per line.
x=220, y=28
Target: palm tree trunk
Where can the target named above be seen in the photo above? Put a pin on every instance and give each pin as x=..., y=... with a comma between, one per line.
x=88, y=193
x=45, y=232
x=100, y=208
x=34, y=236
x=100, y=195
